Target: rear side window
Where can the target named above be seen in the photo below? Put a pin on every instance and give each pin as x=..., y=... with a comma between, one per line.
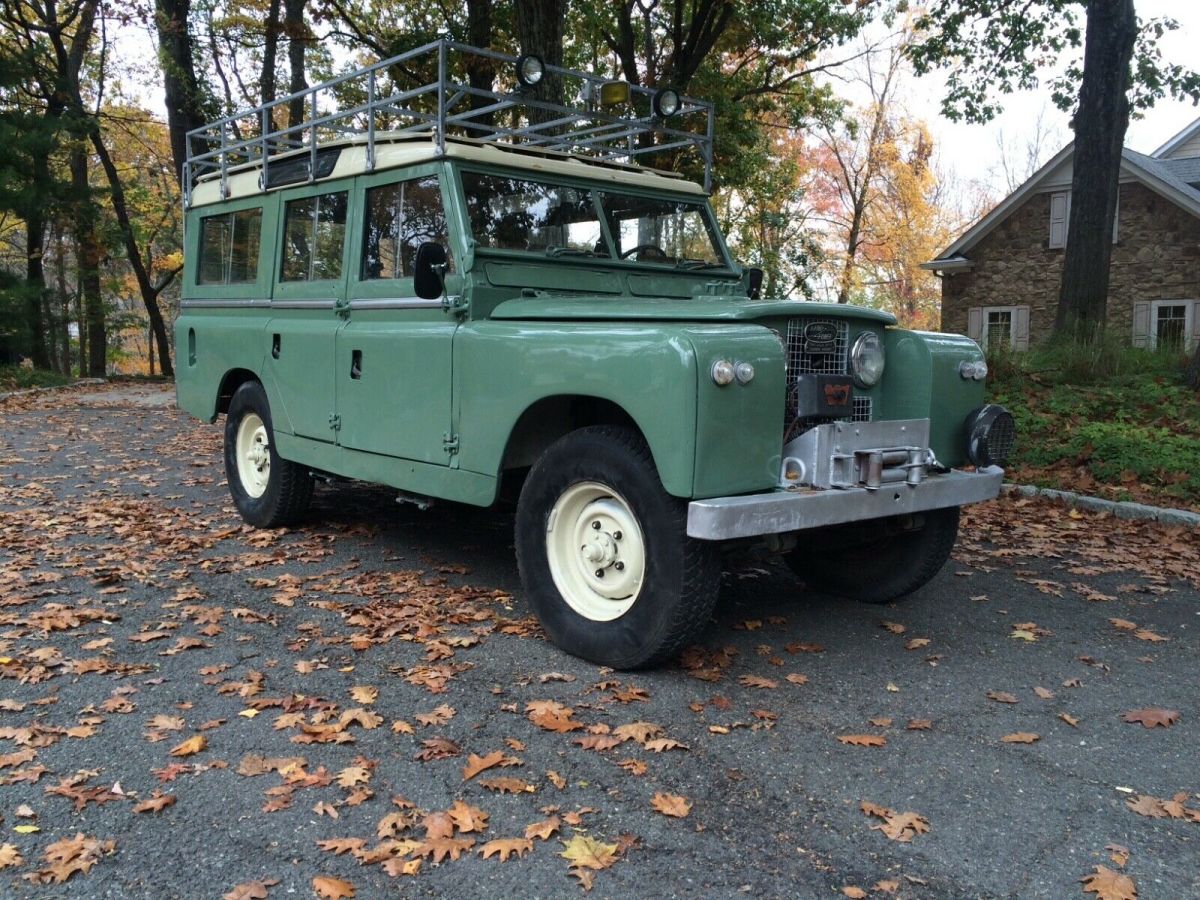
x=400, y=217
x=314, y=234
x=229, y=245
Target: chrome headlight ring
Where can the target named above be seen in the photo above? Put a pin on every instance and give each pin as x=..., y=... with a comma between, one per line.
x=867, y=359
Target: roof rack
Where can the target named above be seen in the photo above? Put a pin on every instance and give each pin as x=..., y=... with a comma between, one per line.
x=444, y=103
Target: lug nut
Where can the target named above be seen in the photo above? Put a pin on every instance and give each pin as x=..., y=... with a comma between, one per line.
x=596, y=526
x=620, y=566
x=616, y=535
x=599, y=573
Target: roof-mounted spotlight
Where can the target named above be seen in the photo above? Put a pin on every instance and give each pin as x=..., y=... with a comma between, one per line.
x=614, y=93
x=530, y=70
x=666, y=102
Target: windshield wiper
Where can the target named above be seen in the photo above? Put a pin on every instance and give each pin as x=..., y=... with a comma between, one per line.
x=699, y=264
x=575, y=251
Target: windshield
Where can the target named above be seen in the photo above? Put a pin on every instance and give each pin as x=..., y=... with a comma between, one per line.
x=510, y=213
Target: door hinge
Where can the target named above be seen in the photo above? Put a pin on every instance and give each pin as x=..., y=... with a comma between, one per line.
x=450, y=442
x=335, y=422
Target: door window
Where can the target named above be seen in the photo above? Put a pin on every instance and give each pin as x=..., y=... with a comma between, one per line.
x=400, y=217
x=515, y=214
x=314, y=237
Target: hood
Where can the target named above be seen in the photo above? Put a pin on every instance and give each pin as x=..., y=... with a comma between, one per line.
x=696, y=308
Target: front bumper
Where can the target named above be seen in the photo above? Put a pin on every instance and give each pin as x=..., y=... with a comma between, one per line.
x=722, y=518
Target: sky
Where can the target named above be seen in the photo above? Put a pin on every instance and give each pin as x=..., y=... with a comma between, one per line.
x=972, y=151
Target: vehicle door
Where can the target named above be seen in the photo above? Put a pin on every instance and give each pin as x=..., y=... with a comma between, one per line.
x=310, y=287
x=394, y=351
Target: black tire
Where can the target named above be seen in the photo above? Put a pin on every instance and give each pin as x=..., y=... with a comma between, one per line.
x=681, y=576
x=877, y=562
x=289, y=487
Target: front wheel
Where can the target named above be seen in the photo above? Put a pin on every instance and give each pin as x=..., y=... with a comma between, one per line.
x=267, y=490
x=880, y=561
x=604, y=554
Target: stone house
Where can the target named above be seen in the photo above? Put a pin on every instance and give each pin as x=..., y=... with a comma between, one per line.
x=1000, y=279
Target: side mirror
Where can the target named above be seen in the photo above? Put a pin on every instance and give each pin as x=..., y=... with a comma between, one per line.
x=754, y=279
x=429, y=270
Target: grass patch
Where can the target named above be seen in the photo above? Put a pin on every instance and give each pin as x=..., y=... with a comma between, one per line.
x=17, y=378
x=1127, y=428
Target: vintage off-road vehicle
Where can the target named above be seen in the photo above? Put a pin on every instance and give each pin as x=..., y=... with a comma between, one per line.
x=453, y=287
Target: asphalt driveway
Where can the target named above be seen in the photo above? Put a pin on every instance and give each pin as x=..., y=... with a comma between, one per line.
x=363, y=707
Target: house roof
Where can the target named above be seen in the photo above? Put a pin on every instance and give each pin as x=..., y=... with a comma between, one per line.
x=1173, y=179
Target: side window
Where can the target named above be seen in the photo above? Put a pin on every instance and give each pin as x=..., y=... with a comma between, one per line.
x=229, y=245
x=314, y=235
x=400, y=217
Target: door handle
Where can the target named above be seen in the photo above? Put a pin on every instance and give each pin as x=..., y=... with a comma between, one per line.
x=356, y=364
x=274, y=346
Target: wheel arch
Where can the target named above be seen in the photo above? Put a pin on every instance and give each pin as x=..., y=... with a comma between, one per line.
x=232, y=380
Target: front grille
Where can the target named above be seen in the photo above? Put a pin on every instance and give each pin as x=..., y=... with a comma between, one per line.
x=805, y=358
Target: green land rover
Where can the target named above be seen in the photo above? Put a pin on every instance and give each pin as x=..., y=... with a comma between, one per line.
x=449, y=287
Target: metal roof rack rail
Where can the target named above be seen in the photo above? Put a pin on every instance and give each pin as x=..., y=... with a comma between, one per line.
x=444, y=103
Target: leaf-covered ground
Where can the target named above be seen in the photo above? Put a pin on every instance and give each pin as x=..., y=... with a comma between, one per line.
x=364, y=707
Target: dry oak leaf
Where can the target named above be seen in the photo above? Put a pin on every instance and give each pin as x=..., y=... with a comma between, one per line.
x=671, y=805
x=438, y=825
x=898, y=826
x=352, y=775
x=251, y=890
x=757, y=681
x=555, y=779
x=506, y=847
x=1108, y=884
x=1044, y=693
x=1151, y=716
x=1001, y=696
x=156, y=802
x=330, y=888
x=544, y=829
x=1144, y=634
x=364, y=693
x=916, y=643
x=467, y=817
x=659, y=745
x=191, y=746
x=507, y=785
x=1118, y=854
x=338, y=846
x=440, y=848
x=853, y=892
x=893, y=627
x=10, y=856
x=797, y=678
x=1123, y=624
x=476, y=764
x=919, y=724
x=637, y=731
x=863, y=740
x=1020, y=737
x=439, y=716
x=598, y=742
x=585, y=852
x=70, y=855
x=1069, y=719
x=438, y=748
x=397, y=866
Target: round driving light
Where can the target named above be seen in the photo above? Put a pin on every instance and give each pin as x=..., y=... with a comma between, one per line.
x=723, y=372
x=744, y=372
x=973, y=370
x=530, y=70
x=666, y=102
x=991, y=435
x=867, y=359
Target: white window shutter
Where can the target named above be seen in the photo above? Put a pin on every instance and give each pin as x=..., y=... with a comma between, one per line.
x=1195, y=335
x=1020, y=336
x=1058, y=219
x=1141, y=325
x=975, y=324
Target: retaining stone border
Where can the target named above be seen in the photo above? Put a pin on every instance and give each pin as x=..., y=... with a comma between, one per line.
x=1121, y=509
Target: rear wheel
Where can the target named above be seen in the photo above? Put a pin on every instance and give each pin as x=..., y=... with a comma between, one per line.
x=604, y=554
x=267, y=490
x=877, y=562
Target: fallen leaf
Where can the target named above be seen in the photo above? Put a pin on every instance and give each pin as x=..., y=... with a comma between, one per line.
x=191, y=746
x=1151, y=717
x=1108, y=884
x=585, y=852
x=156, y=802
x=863, y=740
x=331, y=888
x=506, y=847
x=671, y=805
x=10, y=856
x=544, y=829
x=897, y=826
x=364, y=694
x=1020, y=737
x=1001, y=696
x=476, y=764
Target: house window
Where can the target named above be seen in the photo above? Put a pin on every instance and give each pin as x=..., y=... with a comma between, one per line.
x=1166, y=324
x=999, y=326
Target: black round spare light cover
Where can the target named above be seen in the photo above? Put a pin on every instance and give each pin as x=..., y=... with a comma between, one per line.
x=991, y=435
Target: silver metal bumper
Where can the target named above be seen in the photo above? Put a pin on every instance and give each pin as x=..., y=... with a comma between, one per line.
x=781, y=511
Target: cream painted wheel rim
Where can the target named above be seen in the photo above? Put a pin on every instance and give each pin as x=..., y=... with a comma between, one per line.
x=253, y=454
x=596, y=551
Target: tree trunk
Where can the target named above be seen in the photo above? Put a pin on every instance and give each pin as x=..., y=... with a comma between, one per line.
x=140, y=270
x=64, y=299
x=185, y=110
x=266, y=79
x=87, y=261
x=481, y=71
x=1100, y=126
x=298, y=37
x=35, y=289
x=540, y=25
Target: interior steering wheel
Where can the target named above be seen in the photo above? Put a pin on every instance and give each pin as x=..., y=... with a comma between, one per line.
x=657, y=251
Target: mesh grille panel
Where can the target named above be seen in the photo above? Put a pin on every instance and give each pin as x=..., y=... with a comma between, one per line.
x=862, y=410
x=805, y=358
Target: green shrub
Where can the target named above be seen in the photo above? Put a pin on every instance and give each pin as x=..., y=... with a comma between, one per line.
x=16, y=378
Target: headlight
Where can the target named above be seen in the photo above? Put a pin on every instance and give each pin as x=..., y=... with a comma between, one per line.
x=866, y=359
x=991, y=435
x=530, y=70
x=973, y=370
x=666, y=102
